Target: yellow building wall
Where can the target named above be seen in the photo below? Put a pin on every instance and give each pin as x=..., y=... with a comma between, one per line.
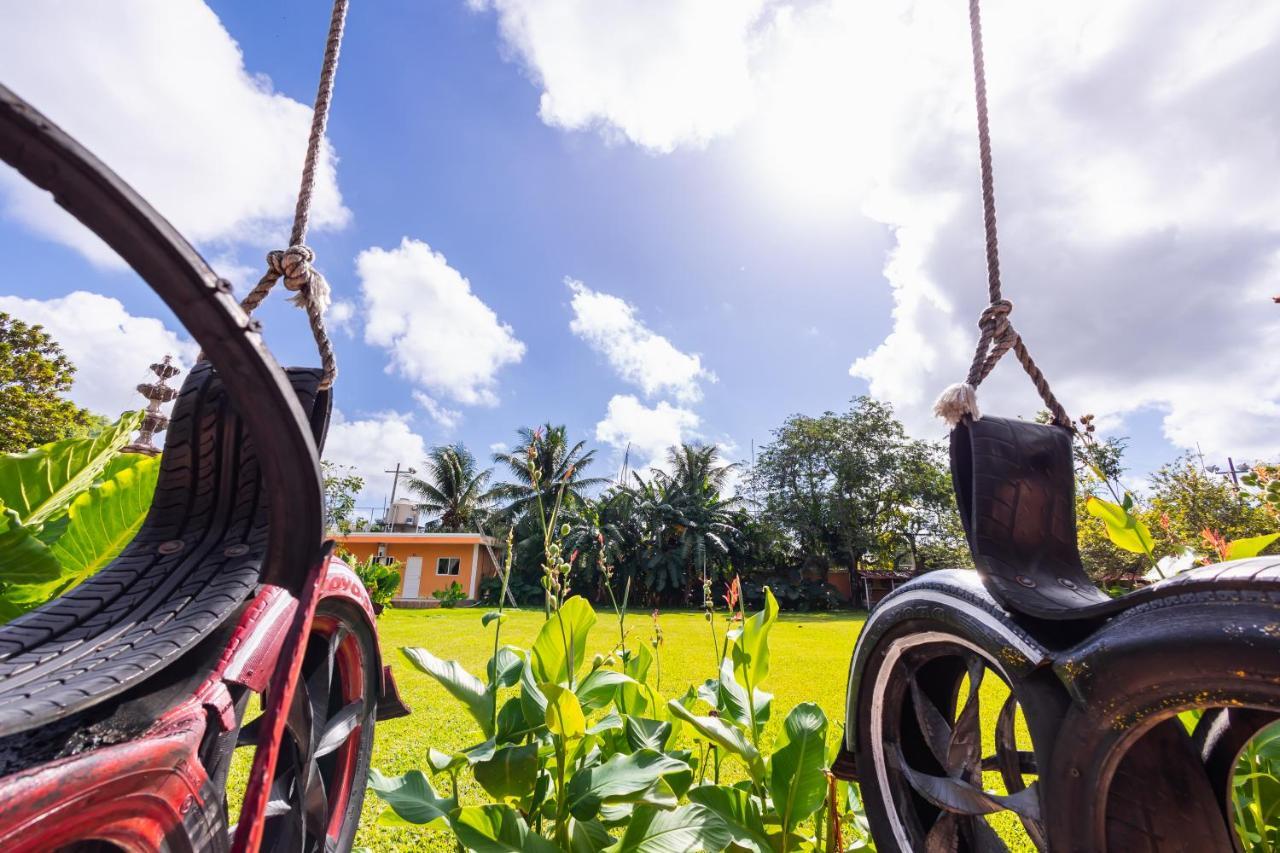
x=472, y=557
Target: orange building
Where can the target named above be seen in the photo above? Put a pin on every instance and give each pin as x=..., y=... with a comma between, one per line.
x=428, y=562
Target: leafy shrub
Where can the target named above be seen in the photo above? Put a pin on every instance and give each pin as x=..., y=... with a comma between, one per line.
x=521, y=590
x=793, y=592
x=66, y=510
x=450, y=596
x=381, y=582
x=584, y=755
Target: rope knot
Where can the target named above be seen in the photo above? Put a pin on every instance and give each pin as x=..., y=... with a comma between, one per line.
x=293, y=266
x=995, y=317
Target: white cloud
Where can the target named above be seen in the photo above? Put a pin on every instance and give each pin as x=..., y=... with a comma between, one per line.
x=373, y=445
x=439, y=334
x=159, y=91
x=110, y=347
x=638, y=354
x=649, y=431
x=1137, y=241
x=499, y=447
x=340, y=315
x=1132, y=140
x=661, y=73
x=446, y=417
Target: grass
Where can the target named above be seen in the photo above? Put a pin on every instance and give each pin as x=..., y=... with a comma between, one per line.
x=809, y=662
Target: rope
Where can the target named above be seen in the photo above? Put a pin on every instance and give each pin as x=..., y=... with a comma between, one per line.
x=294, y=264
x=997, y=335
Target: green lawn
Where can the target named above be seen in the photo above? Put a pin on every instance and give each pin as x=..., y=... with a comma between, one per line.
x=809, y=653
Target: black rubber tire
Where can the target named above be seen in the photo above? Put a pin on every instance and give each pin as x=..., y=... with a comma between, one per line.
x=888, y=830
x=358, y=625
x=1130, y=777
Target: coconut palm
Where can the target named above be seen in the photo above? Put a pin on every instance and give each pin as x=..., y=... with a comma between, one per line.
x=547, y=451
x=690, y=524
x=453, y=489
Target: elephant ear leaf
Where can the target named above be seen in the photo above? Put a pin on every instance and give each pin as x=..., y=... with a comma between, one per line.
x=104, y=519
x=42, y=483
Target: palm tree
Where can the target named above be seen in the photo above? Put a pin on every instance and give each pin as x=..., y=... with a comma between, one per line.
x=558, y=463
x=690, y=524
x=453, y=489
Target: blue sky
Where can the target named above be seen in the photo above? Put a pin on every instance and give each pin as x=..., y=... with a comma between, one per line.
x=754, y=197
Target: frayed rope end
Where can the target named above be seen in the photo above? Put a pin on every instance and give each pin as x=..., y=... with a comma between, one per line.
x=956, y=402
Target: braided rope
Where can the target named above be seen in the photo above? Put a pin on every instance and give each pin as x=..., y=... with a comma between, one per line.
x=295, y=264
x=997, y=335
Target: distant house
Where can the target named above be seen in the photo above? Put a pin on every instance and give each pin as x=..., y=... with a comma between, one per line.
x=428, y=561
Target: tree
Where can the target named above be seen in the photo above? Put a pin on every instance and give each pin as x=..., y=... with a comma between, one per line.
x=453, y=489
x=558, y=463
x=923, y=519
x=544, y=465
x=34, y=372
x=341, y=485
x=854, y=483
x=1186, y=501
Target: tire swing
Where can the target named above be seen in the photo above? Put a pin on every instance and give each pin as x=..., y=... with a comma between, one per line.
x=1087, y=752
x=122, y=701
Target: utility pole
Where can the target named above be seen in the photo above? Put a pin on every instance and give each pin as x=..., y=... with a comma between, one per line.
x=395, y=482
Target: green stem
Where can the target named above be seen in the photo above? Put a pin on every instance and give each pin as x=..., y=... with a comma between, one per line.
x=562, y=826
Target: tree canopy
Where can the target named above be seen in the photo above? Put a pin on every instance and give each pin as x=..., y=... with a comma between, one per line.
x=34, y=374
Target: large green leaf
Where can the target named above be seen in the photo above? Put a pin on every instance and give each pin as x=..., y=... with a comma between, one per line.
x=24, y=559
x=496, y=829
x=725, y=736
x=564, y=713
x=588, y=836
x=688, y=828
x=511, y=771
x=639, y=698
x=1250, y=547
x=564, y=632
x=797, y=777
x=532, y=700
x=751, y=651
x=1124, y=529
x=513, y=725
x=643, y=733
x=504, y=667
x=105, y=518
x=461, y=684
x=600, y=687
x=741, y=812
x=412, y=799
x=729, y=698
x=43, y=482
x=624, y=778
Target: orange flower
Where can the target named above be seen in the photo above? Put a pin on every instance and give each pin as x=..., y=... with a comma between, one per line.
x=733, y=591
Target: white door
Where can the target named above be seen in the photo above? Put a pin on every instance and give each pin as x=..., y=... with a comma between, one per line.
x=412, y=577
